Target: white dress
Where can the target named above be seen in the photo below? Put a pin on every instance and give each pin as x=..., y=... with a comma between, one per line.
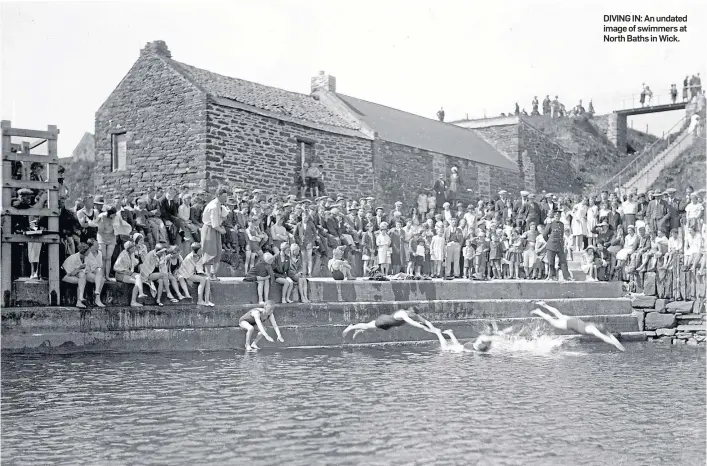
x=384, y=250
x=437, y=248
x=579, y=220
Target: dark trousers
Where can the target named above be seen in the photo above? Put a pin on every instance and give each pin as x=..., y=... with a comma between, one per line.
x=563, y=264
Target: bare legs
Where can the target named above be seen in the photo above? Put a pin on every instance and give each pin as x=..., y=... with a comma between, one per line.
x=287, y=287
x=80, y=280
x=358, y=328
x=98, y=280
x=263, y=289
x=302, y=286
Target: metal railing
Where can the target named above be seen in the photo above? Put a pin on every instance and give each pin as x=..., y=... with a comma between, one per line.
x=660, y=97
x=645, y=157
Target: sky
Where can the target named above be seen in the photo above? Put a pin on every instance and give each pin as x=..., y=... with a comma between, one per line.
x=61, y=60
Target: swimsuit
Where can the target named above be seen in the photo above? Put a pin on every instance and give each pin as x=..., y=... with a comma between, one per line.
x=386, y=321
x=248, y=316
x=576, y=325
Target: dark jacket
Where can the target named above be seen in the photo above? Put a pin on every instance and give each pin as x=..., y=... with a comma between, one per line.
x=554, y=234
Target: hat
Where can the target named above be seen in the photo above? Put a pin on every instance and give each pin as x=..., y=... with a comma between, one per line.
x=25, y=192
x=137, y=236
x=141, y=200
x=196, y=246
x=237, y=190
x=398, y=203
x=531, y=195
x=383, y=225
x=695, y=195
x=369, y=198
x=671, y=190
x=446, y=204
x=128, y=244
x=256, y=191
x=172, y=249
x=335, y=211
x=631, y=227
x=590, y=247
x=354, y=206
x=524, y=193
x=503, y=191
x=83, y=247
x=379, y=208
x=470, y=207
x=98, y=199
x=548, y=196
x=159, y=248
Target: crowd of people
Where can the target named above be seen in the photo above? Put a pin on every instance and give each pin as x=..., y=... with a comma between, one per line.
x=164, y=240
x=554, y=109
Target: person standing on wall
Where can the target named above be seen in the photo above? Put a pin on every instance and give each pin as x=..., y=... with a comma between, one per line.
x=440, y=189
x=554, y=234
x=211, y=232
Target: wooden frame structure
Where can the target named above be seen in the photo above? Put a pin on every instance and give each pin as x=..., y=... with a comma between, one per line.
x=22, y=153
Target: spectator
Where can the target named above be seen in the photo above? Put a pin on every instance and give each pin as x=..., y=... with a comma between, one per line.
x=75, y=269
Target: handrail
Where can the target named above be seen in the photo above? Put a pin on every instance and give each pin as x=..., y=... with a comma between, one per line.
x=632, y=164
x=679, y=145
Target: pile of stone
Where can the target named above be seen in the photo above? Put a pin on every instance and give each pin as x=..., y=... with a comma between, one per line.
x=676, y=322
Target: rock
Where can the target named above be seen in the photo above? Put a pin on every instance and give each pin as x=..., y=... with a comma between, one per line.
x=684, y=307
x=692, y=342
x=643, y=302
x=660, y=305
x=640, y=317
x=655, y=320
x=650, y=334
x=649, y=288
x=677, y=341
x=689, y=317
x=690, y=328
x=683, y=335
x=698, y=307
x=700, y=338
x=665, y=332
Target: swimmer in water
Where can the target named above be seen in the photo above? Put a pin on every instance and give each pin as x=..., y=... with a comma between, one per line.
x=254, y=319
x=481, y=344
x=576, y=325
x=387, y=321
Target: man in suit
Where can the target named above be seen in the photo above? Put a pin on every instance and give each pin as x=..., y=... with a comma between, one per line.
x=530, y=211
x=500, y=204
x=671, y=219
x=453, y=238
x=657, y=209
x=169, y=213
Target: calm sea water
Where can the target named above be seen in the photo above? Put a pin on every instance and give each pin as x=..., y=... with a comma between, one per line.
x=541, y=402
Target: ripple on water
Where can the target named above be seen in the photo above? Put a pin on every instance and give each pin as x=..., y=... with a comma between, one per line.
x=532, y=400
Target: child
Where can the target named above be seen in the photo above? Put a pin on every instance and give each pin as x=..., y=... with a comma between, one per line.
x=339, y=268
x=384, y=250
x=419, y=251
x=540, y=268
x=468, y=253
x=367, y=247
x=297, y=272
x=192, y=271
x=529, y=251
x=568, y=243
x=588, y=265
x=173, y=264
x=437, y=247
x=495, y=255
x=253, y=249
x=254, y=319
x=481, y=256
x=515, y=254
x=263, y=274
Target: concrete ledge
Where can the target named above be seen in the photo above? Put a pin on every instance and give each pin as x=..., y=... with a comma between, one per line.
x=224, y=338
x=190, y=316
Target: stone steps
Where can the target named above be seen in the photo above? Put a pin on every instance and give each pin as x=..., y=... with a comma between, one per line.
x=230, y=291
x=225, y=338
x=188, y=316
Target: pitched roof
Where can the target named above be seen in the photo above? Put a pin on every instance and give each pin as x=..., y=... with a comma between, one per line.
x=424, y=133
x=292, y=104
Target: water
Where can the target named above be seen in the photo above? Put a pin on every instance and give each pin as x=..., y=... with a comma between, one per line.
x=545, y=401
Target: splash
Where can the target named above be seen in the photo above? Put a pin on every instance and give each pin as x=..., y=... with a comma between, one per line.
x=533, y=340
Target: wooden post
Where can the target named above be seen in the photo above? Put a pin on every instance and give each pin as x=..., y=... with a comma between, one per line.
x=53, y=222
x=6, y=220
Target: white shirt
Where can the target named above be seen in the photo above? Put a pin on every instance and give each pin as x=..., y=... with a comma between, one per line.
x=72, y=263
x=693, y=210
x=93, y=263
x=212, y=214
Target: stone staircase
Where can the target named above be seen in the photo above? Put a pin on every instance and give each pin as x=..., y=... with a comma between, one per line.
x=651, y=171
x=461, y=305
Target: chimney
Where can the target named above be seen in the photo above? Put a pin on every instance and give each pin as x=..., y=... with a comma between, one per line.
x=324, y=81
x=158, y=47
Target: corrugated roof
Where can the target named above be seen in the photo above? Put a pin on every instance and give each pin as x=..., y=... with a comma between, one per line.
x=425, y=133
x=292, y=104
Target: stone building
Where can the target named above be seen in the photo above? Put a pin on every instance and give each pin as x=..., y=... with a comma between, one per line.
x=168, y=123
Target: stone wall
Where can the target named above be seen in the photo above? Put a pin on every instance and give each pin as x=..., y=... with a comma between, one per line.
x=403, y=171
x=164, y=118
x=254, y=151
x=675, y=322
x=80, y=170
x=551, y=165
x=616, y=131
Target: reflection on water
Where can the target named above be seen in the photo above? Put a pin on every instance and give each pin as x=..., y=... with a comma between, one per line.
x=520, y=405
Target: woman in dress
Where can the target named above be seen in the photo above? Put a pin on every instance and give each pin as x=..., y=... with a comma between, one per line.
x=453, y=192
x=579, y=223
x=368, y=244
x=629, y=208
x=592, y=220
x=106, y=237
x=437, y=247
x=125, y=272
x=398, y=247
x=384, y=250
x=297, y=274
x=514, y=254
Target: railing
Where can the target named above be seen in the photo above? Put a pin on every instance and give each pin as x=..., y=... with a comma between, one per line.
x=660, y=97
x=651, y=172
x=12, y=152
x=644, y=158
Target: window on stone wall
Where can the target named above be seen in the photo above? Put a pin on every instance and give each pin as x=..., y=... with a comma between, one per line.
x=119, y=152
x=305, y=154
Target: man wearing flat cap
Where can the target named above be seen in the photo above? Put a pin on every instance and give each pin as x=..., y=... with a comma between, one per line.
x=398, y=208
x=530, y=211
x=500, y=204
x=671, y=219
